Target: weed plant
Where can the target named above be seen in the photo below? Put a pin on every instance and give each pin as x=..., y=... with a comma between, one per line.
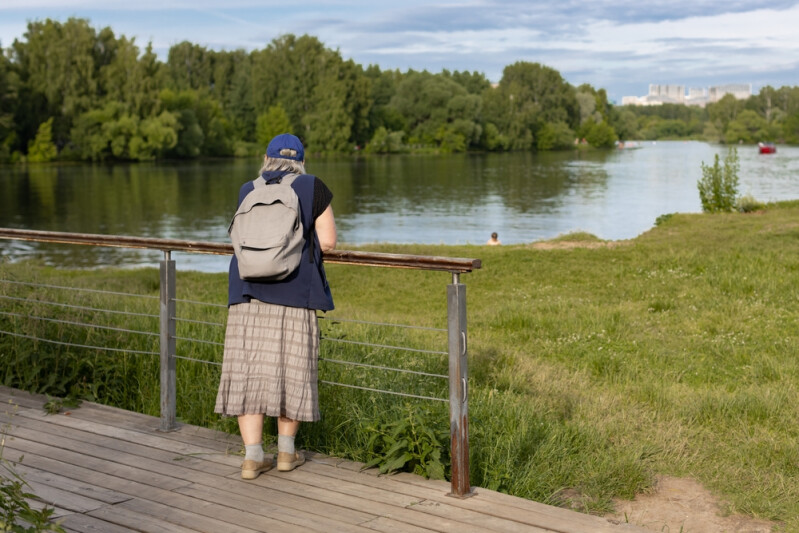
x=16, y=512
x=592, y=369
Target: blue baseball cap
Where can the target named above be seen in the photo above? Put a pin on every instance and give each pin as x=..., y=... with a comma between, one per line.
x=286, y=146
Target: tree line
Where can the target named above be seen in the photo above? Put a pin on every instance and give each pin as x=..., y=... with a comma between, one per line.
x=70, y=91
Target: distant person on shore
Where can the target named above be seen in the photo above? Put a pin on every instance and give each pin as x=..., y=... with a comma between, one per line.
x=494, y=240
x=271, y=352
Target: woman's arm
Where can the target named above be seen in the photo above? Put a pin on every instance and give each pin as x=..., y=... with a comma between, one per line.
x=326, y=230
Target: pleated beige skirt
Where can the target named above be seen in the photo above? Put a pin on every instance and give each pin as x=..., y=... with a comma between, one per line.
x=270, y=362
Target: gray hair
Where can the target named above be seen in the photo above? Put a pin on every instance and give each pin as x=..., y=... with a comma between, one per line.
x=280, y=164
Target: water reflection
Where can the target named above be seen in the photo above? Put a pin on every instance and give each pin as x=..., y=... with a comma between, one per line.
x=403, y=199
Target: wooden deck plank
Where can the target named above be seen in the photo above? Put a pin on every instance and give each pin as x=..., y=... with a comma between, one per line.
x=63, y=499
x=288, y=503
x=70, y=485
x=278, y=488
x=195, y=435
x=109, y=470
x=193, y=521
x=21, y=398
x=156, y=494
x=290, y=484
x=81, y=523
x=101, y=466
x=125, y=517
x=306, y=518
x=154, y=439
x=387, y=525
x=288, y=507
x=384, y=494
x=532, y=514
x=79, y=440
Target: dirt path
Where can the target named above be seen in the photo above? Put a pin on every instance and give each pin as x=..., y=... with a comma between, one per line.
x=681, y=505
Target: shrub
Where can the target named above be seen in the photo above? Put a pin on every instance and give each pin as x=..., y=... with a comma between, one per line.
x=718, y=187
x=662, y=219
x=748, y=204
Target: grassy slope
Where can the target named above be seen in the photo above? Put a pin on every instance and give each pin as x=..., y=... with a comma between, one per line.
x=593, y=367
x=674, y=352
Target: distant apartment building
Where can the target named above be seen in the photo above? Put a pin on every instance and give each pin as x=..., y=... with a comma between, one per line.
x=698, y=96
x=741, y=91
x=667, y=94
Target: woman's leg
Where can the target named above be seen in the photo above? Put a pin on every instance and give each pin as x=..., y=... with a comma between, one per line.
x=287, y=456
x=251, y=428
x=287, y=426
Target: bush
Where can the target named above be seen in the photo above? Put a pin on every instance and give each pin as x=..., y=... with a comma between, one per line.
x=718, y=187
x=748, y=204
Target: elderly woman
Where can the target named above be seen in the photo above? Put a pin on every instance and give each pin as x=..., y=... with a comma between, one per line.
x=271, y=348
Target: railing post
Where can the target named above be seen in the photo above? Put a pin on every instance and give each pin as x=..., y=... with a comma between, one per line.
x=458, y=388
x=167, y=331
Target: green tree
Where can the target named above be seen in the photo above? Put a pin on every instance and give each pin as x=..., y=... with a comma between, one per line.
x=91, y=135
x=750, y=127
x=189, y=66
x=438, y=111
x=587, y=104
x=601, y=135
x=273, y=122
x=201, y=125
x=42, y=149
x=626, y=125
x=790, y=128
x=382, y=87
x=61, y=62
x=132, y=79
x=8, y=102
x=287, y=72
x=718, y=187
x=154, y=137
x=725, y=110
x=112, y=132
x=493, y=140
x=233, y=76
x=338, y=119
x=328, y=126
x=671, y=129
x=530, y=95
x=557, y=136
x=385, y=142
x=474, y=82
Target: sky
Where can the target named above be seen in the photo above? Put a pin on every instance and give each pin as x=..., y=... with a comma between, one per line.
x=621, y=45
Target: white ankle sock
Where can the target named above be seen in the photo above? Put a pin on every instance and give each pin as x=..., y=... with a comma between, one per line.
x=285, y=443
x=254, y=452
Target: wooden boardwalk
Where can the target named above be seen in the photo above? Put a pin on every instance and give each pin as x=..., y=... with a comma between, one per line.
x=111, y=471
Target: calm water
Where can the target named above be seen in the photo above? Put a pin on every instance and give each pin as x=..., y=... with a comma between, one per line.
x=454, y=199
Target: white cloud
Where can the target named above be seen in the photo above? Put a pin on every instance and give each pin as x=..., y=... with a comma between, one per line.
x=613, y=43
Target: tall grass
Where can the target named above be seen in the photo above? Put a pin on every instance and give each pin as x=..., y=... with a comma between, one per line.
x=592, y=370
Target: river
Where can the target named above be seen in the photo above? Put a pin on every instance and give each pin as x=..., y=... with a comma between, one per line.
x=432, y=199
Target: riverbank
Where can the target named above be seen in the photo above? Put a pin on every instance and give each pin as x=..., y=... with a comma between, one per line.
x=594, y=369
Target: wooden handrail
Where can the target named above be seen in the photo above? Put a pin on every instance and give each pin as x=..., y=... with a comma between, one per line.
x=416, y=262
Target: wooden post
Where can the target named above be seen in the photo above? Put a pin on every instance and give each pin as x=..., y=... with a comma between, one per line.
x=168, y=344
x=458, y=388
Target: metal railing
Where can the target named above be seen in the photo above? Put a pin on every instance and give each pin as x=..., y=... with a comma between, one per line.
x=167, y=330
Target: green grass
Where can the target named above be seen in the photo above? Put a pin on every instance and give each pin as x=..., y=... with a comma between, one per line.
x=593, y=369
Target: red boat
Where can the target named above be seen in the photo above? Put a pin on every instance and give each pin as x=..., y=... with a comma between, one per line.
x=767, y=148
